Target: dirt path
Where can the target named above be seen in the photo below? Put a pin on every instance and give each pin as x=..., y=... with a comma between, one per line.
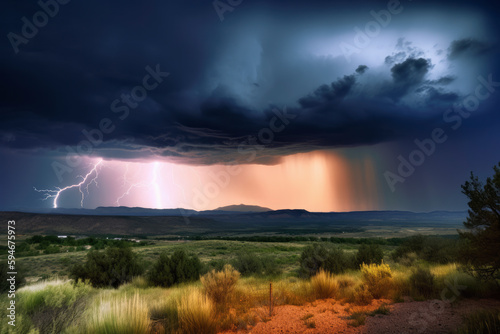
x=330, y=316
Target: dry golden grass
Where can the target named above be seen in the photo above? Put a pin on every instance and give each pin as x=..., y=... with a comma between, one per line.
x=196, y=313
x=324, y=285
x=119, y=315
x=219, y=285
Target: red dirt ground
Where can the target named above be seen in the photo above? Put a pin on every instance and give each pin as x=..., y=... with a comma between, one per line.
x=330, y=316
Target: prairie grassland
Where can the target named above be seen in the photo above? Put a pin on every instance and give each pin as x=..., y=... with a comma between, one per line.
x=192, y=308
x=221, y=299
x=286, y=255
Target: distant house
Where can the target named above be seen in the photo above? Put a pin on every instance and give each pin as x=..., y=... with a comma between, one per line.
x=62, y=236
x=117, y=239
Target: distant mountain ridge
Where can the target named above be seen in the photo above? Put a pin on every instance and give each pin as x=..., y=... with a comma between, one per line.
x=243, y=208
x=142, y=221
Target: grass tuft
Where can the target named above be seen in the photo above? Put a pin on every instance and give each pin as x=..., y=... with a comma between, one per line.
x=196, y=314
x=219, y=285
x=119, y=315
x=324, y=285
x=382, y=309
x=481, y=322
x=357, y=319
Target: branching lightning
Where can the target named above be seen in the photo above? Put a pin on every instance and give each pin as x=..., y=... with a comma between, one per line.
x=156, y=186
x=130, y=185
x=87, y=180
x=147, y=176
x=151, y=184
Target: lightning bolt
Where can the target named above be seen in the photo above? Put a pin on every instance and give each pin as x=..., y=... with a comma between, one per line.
x=87, y=180
x=130, y=185
x=156, y=186
x=152, y=183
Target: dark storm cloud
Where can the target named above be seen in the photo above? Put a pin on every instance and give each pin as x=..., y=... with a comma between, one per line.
x=65, y=80
x=361, y=69
x=328, y=93
x=446, y=80
x=411, y=71
x=468, y=46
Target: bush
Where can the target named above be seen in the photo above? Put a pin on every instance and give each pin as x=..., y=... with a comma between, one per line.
x=378, y=279
x=178, y=268
x=324, y=285
x=196, y=314
x=319, y=256
x=250, y=264
x=119, y=315
x=112, y=267
x=369, y=253
x=139, y=282
x=413, y=244
x=361, y=295
x=219, y=285
x=482, y=322
x=53, y=294
x=422, y=283
x=51, y=306
x=431, y=249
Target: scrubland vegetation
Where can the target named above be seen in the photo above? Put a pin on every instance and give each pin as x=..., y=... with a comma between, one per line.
x=112, y=291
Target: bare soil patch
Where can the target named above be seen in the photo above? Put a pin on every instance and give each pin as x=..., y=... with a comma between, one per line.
x=331, y=316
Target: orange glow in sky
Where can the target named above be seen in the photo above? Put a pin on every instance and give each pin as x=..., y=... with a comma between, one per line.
x=318, y=181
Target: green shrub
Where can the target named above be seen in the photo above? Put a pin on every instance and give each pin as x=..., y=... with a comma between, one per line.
x=177, y=268
x=431, y=249
x=52, y=249
x=319, y=256
x=413, y=244
x=55, y=294
x=378, y=279
x=112, y=267
x=422, y=283
x=52, y=306
x=248, y=264
x=369, y=253
x=481, y=322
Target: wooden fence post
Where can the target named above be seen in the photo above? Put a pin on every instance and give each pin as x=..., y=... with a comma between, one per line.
x=270, y=299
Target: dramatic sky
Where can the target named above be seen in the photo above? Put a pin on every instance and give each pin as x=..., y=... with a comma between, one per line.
x=320, y=105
